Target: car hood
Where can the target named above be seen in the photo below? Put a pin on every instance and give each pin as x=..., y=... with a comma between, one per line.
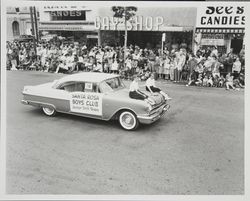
x=124, y=94
x=37, y=88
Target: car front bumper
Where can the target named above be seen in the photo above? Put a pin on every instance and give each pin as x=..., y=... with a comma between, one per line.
x=148, y=119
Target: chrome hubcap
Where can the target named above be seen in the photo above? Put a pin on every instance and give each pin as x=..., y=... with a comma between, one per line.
x=48, y=110
x=128, y=121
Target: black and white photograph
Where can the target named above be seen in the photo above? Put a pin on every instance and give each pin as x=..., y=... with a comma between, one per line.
x=112, y=98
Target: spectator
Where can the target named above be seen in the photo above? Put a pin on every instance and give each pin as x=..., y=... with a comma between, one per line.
x=191, y=64
x=216, y=81
x=229, y=81
x=198, y=82
x=210, y=82
x=222, y=81
x=205, y=81
x=166, y=67
x=173, y=64
x=236, y=67
x=191, y=79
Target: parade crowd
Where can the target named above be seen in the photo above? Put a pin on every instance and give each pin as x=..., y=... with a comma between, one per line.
x=206, y=67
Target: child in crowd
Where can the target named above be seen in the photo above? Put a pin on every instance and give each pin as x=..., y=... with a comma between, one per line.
x=171, y=70
x=216, y=81
x=237, y=84
x=34, y=66
x=114, y=67
x=147, y=74
x=198, y=82
x=166, y=68
x=229, y=81
x=97, y=67
x=200, y=68
x=161, y=68
x=210, y=81
x=191, y=79
x=128, y=67
x=46, y=65
x=205, y=81
x=221, y=81
x=140, y=74
x=62, y=66
x=242, y=79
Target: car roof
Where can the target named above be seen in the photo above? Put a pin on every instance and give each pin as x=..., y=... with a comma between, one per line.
x=87, y=77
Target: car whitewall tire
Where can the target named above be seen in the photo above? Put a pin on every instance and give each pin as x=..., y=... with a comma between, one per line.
x=49, y=111
x=128, y=120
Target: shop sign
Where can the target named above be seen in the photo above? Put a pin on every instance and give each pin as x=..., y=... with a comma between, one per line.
x=138, y=23
x=86, y=102
x=220, y=17
x=213, y=39
x=68, y=15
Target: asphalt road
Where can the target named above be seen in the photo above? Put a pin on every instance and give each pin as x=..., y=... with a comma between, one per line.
x=197, y=148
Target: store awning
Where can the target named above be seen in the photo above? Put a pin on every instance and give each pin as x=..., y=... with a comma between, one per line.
x=221, y=30
x=67, y=27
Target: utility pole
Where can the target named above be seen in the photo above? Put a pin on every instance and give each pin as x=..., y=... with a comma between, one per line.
x=32, y=28
x=36, y=27
x=126, y=33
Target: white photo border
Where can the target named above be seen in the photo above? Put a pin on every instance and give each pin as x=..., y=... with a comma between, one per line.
x=4, y=196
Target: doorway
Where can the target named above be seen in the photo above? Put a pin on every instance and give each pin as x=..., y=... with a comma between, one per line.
x=236, y=45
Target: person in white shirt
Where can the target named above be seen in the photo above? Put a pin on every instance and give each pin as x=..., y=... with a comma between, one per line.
x=114, y=67
x=215, y=51
x=236, y=67
x=134, y=91
x=151, y=87
x=62, y=65
x=98, y=67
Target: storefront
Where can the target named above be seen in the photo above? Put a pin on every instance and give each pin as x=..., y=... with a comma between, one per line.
x=223, y=27
x=71, y=22
x=147, y=26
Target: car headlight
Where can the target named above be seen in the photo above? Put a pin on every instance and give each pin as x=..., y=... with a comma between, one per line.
x=149, y=108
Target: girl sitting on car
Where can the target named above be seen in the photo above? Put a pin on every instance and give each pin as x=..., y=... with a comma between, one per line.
x=135, y=93
x=151, y=87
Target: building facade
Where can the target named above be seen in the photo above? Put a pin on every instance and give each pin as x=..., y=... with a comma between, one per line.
x=223, y=27
x=76, y=22
x=145, y=29
x=18, y=22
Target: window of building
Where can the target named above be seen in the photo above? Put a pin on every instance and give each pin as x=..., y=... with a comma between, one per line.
x=15, y=28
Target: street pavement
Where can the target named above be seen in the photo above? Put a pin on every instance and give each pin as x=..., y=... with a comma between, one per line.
x=196, y=148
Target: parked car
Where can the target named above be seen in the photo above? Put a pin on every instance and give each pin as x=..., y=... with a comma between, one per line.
x=95, y=95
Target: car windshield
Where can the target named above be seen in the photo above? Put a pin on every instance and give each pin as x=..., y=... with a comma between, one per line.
x=111, y=85
x=55, y=84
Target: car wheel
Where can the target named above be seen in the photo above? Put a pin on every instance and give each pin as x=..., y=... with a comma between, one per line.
x=128, y=120
x=49, y=111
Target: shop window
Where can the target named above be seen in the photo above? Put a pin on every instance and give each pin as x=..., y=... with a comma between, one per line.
x=15, y=28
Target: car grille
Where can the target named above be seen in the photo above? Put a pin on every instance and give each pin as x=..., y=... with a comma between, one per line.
x=156, y=108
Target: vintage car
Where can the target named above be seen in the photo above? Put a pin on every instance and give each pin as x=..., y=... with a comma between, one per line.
x=95, y=95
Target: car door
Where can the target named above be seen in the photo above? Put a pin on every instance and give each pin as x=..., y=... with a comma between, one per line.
x=83, y=99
